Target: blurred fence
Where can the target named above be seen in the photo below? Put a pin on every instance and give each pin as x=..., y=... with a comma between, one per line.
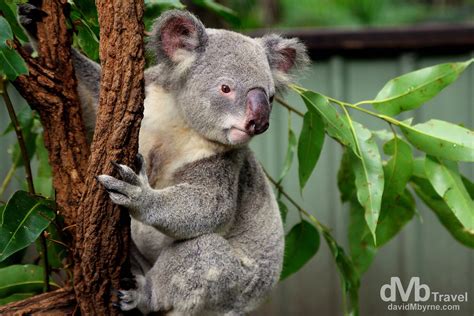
x=424, y=248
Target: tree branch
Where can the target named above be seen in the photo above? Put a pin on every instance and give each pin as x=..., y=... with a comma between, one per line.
x=59, y=302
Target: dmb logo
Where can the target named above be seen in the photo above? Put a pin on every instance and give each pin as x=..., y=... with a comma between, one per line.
x=420, y=292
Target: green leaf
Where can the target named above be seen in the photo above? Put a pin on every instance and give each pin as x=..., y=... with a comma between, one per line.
x=398, y=169
x=15, y=279
x=301, y=244
x=446, y=180
x=310, y=145
x=350, y=280
x=87, y=40
x=5, y=31
x=441, y=139
x=228, y=14
x=369, y=176
x=426, y=192
x=346, y=177
x=15, y=297
x=395, y=214
x=290, y=153
x=361, y=244
x=11, y=63
x=10, y=16
x=337, y=126
x=283, y=210
x=23, y=219
x=411, y=90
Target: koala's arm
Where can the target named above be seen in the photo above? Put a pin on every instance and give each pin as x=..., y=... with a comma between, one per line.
x=204, y=202
x=88, y=85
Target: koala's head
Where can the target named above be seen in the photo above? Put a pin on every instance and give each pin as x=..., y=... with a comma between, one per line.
x=224, y=82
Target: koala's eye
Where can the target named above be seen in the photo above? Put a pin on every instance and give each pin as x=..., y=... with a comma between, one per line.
x=225, y=88
x=271, y=98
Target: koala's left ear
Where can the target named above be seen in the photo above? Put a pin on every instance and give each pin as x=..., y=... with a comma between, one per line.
x=285, y=55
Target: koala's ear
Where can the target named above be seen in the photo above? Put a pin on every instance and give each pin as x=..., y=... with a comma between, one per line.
x=285, y=55
x=178, y=36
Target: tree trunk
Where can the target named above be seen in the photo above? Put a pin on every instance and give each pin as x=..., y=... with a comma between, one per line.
x=100, y=230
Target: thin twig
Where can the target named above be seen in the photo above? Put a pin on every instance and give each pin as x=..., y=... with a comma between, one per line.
x=280, y=189
x=289, y=107
x=28, y=174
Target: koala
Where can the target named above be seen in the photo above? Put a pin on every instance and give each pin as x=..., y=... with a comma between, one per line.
x=207, y=234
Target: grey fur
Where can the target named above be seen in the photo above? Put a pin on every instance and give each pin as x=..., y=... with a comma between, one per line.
x=207, y=236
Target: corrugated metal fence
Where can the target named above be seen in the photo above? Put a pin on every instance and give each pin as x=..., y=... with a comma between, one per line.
x=423, y=249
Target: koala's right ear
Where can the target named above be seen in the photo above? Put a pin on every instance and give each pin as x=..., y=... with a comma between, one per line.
x=178, y=36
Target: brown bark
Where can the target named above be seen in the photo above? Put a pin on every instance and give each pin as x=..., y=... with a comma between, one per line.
x=59, y=302
x=102, y=232
x=100, y=229
x=50, y=89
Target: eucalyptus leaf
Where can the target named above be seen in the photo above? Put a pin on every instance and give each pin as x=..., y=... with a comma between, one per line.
x=447, y=182
x=350, y=279
x=290, y=153
x=369, y=176
x=10, y=16
x=310, y=145
x=426, y=192
x=411, y=90
x=23, y=219
x=11, y=63
x=346, y=177
x=301, y=244
x=395, y=214
x=337, y=126
x=399, y=168
x=441, y=139
x=283, y=210
x=361, y=244
x=16, y=279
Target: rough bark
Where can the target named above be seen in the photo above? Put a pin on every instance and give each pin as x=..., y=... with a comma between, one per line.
x=50, y=89
x=102, y=233
x=59, y=302
x=100, y=229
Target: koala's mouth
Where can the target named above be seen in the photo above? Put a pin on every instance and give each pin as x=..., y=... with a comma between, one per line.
x=238, y=135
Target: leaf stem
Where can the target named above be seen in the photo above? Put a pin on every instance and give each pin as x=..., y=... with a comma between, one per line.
x=8, y=178
x=28, y=173
x=280, y=189
x=289, y=107
x=352, y=106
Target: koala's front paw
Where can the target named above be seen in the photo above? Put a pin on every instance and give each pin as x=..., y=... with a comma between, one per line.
x=128, y=191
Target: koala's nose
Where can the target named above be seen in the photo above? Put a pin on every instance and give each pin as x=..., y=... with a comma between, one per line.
x=258, y=112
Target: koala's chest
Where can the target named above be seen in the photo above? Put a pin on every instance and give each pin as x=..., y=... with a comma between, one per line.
x=166, y=142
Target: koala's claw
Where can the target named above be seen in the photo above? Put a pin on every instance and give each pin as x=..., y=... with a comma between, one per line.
x=128, y=300
x=125, y=192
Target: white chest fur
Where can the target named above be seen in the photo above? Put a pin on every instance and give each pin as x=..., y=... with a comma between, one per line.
x=166, y=142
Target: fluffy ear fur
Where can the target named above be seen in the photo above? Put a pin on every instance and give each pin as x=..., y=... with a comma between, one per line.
x=177, y=37
x=284, y=56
